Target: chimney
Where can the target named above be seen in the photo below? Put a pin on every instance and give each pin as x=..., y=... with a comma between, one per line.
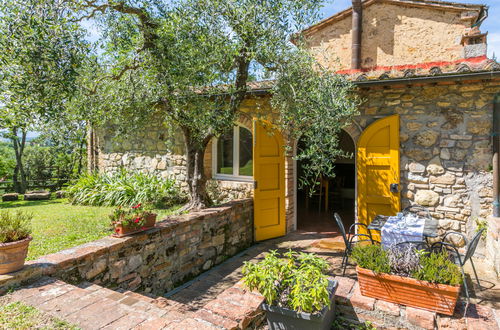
x=357, y=18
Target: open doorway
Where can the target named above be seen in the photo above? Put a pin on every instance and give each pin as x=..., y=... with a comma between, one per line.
x=315, y=211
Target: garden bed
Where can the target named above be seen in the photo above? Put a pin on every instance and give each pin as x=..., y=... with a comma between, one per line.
x=58, y=225
x=153, y=261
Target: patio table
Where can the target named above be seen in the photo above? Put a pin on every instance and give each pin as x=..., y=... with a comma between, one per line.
x=430, y=226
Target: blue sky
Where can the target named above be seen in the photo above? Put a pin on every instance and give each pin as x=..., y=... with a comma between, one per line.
x=490, y=25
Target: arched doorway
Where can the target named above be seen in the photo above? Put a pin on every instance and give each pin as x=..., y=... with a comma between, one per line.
x=338, y=194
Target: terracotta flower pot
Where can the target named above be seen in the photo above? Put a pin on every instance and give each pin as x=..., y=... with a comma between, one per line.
x=121, y=230
x=13, y=254
x=407, y=291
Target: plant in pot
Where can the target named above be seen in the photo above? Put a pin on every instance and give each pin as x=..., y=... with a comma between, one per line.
x=409, y=277
x=297, y=292
x=15, y=230
x=132, y=220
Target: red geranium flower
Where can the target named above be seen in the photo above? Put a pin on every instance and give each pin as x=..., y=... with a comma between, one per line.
x=137, y=220
x=137, y=206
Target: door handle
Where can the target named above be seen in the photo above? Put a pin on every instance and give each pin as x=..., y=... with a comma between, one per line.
x=394, y=187
x=255, y=185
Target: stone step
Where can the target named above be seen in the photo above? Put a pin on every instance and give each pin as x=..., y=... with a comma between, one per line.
x=90, y=306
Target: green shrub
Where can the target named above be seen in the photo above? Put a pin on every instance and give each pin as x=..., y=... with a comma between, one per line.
x=438, y=268
x=423, y=266
x=14, y=226
x=371, y=257
x=125, y=188
x=297, y=281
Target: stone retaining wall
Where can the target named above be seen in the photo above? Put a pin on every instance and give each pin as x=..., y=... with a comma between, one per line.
x=155, y=261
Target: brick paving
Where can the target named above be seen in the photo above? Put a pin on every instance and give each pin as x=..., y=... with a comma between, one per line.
x=216, y=300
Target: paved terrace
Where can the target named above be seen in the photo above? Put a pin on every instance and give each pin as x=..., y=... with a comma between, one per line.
x=216, y=300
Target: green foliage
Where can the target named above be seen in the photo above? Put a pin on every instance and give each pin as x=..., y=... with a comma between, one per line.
x=124, y=188
x=482, y=224
x=314, y=105
x=431, y=267
x=371, y=257
x=59, y=225
x=14, y=226
x=133, y=217
x=7, y=161
x=438, y=268
x=297, y=281
x=343, y=324
x=41, y=51
x=17, y=315
x=188, y=62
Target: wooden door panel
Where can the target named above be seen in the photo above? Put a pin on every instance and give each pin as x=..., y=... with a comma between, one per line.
x=378, y=168
x=269, y=177
x=269, y=174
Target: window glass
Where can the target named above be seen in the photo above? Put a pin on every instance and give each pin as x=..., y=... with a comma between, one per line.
x=225, y=154
x=246, y=152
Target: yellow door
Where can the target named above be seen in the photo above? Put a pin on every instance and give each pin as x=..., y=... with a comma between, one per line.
x=269, y=176
x=378, y=169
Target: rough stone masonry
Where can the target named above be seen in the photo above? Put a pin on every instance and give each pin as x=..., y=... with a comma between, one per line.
x=155, y=261
x=445, y=145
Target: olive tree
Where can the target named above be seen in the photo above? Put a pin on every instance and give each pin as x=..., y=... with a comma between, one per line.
x=314, y=105
x=189, y=62
x=40, y=52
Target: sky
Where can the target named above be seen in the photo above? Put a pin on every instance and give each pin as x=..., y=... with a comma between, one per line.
x=490, y=25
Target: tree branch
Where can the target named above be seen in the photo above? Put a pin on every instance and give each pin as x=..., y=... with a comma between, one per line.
x=147, y=26
x=118, y=76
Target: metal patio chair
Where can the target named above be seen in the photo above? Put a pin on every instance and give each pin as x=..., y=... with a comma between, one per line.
x=461, y=259
x=349, y=238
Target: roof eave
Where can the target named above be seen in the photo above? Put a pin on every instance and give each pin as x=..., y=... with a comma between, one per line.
x=483, y=75
x=414, y=3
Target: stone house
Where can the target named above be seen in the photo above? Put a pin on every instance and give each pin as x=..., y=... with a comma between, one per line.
x=424, y=135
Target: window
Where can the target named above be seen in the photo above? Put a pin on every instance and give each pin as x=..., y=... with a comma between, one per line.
x=233, y=155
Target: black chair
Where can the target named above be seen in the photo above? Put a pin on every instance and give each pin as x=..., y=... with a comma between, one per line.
x=349, y=238
x=461, y=259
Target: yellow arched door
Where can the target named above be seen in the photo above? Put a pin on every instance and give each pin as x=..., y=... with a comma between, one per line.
x=269, y=176
x=378, y=169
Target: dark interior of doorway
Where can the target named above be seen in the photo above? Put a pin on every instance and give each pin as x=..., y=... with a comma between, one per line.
x=316, y=217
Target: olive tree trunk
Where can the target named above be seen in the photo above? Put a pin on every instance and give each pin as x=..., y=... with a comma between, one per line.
x=196, y=178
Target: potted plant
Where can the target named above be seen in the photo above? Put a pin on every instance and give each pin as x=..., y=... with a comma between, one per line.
x=15, y=230
x=408, y=277
x=297, y=292
x=132, y=220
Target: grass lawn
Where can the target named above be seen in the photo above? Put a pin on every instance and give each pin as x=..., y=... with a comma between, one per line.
x=58, y=225
x=16, y=315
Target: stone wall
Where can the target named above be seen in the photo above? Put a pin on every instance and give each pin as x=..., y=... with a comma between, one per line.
x=158, y=148
x=156, y=261
x=446, y=147
x=389, y=37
